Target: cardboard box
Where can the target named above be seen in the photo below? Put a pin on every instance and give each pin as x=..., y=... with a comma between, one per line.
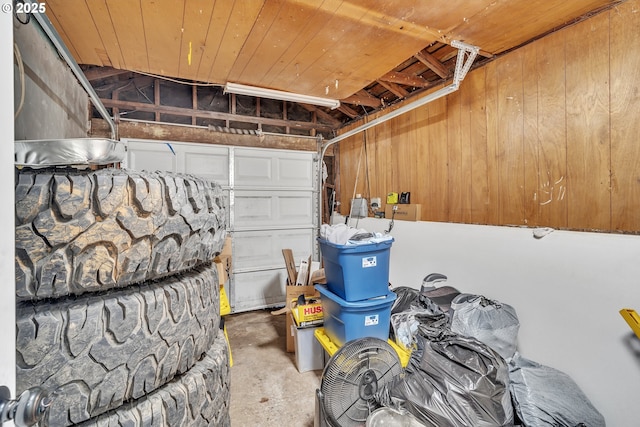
x=224, y=261
x=307, y=314
x=288, y=329
x=406, y=212
x=292, y=293
x=223, y=276
x=227, y=247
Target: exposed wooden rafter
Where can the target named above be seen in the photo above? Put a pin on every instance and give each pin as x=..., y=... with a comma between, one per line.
x=99, y=73
x=326, y=117
x=394, y=88
x=348, y=111
x=363, y=98
x=404, y=79
x=432, y=62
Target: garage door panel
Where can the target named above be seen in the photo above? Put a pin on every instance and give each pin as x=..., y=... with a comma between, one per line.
x=211, y=164
x=255, y=209
x=296, y=209
x=255, y=168
x=151, y=157
x=294, y=170
x=254, y=250
x=250, y=170
x=259, y=289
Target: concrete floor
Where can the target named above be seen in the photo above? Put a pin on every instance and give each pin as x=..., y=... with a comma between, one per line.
x=266, y=387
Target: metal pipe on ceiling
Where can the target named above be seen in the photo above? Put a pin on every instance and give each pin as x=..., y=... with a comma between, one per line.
x=466, y=55
x=53, y=35
x=395, y=113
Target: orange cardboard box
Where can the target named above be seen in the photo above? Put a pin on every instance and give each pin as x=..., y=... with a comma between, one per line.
x=406, y=212
x=292, y=293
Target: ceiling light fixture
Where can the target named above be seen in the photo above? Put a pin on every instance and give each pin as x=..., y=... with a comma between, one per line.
x=281, y=95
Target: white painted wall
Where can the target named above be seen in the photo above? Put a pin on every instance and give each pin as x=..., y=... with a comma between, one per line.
x=566, y=287
x=7, y=227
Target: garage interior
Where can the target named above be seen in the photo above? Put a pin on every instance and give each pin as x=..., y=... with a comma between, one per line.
x=524, y=175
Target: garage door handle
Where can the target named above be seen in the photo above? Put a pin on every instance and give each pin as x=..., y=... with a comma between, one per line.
x=29, y=409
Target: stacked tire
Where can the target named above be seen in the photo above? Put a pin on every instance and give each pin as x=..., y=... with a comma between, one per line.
x=118, y=312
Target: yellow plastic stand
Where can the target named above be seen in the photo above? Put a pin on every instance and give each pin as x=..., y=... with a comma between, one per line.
x=331, y=348
x=632, y=319
x=225, y=308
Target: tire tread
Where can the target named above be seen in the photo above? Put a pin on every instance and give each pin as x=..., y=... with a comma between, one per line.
x=79, y=231
x=100, y=350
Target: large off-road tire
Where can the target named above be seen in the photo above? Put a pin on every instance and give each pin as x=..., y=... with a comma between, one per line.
x=87, y=231
x=100, y=350
x=199, y=398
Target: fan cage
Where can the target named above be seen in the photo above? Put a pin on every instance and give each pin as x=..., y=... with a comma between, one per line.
x=352, y=377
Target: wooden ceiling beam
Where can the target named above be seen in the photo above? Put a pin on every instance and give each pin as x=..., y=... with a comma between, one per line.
x=363, y=97
x=99, y=73
x=172, y=132
x=137, y=82
x=432, y=62
x=348, y=111
x=326, y=117
x=404, y=79
x=189, y=112
x=397, y=90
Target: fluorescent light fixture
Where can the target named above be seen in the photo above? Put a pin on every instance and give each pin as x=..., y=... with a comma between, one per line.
x=281, y=95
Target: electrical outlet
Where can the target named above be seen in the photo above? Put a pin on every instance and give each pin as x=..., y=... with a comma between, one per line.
x=375, y=203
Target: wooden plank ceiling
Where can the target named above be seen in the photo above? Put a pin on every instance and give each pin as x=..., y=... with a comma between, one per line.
x=367, y=54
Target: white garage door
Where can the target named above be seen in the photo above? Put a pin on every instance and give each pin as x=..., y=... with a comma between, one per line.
x=271, y=201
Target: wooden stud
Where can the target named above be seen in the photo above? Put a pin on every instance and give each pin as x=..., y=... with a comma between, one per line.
x=156, y=97
x=194, y=103
x=188, y=112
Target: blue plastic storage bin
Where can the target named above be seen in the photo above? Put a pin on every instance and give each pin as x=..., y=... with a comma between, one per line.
x=356, y=272
x=345, y=321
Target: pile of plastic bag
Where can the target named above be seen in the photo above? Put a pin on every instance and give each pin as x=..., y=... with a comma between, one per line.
x=465, y=370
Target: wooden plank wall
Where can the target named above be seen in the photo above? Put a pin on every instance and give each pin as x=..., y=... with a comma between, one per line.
x=544, y=136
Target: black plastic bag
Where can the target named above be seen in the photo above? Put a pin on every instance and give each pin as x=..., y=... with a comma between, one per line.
x=452, y=381
x=544, y=396
x=410, y=310
x=494, y=323
x=406, y=299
